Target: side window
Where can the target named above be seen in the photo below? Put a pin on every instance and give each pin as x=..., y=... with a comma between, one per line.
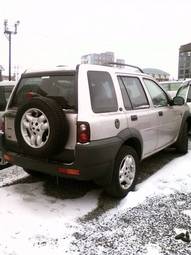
x=135, y=92
x=102, y=92
x=158, y=96
x=189, y=95
x=125, y=96
x=175, y=86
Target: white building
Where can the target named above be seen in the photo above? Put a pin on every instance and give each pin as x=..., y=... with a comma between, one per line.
x=157, y=74
x=98, y=59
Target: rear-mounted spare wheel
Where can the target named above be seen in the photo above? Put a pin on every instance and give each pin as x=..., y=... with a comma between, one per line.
x=41, y=127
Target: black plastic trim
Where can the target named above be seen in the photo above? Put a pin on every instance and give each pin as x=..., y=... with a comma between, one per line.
x=94, y=160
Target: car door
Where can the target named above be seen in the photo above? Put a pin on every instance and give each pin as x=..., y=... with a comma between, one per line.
x=140, y=116
x=169, y=118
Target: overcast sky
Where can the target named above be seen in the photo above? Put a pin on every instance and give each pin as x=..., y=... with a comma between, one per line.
x=147, y=33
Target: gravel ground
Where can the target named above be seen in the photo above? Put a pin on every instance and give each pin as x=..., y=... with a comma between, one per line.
x=133, y=231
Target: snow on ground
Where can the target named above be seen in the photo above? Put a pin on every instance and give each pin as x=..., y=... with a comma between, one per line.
x=174, y=177
x=147, y=220
x=144, y=222
x=32, y=222
x=11, y=174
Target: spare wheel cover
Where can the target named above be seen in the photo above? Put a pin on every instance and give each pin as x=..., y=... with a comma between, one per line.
x=41, y=127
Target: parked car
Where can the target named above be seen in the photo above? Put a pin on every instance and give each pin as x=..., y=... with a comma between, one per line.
x=91, y=122
x=6, y=88
x=171, y=87
x=185, y=92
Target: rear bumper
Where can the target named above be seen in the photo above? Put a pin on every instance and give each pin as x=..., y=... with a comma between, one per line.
x=93, y=161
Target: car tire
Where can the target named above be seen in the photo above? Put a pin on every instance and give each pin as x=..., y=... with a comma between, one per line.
x=182, y=143
x=41, y=127
x=125, y=171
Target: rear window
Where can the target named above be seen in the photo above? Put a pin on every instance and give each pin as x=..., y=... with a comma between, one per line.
x=60, y=88
x=5, y=92
x=170, y=86
x=102, y=92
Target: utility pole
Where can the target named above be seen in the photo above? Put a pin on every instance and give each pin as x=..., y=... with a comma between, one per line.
x=8, y=33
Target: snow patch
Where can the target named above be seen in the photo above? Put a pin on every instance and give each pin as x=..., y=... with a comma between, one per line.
x=173, y=177
x=187, y=212
x=33, y=221
x=152, y=249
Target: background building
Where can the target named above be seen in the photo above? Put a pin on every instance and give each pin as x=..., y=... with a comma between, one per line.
x=184, y=65
x=157, y=74
x=98, y=59
x=121, y=61
x=101, y=59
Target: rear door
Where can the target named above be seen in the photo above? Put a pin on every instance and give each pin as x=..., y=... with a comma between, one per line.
x=140, y=116
x=59, y=86
x=169, y=118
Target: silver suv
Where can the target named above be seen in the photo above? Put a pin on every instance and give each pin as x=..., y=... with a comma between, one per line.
x=91, y=123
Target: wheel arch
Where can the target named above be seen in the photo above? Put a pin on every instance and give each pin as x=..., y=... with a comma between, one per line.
x=133, y=138
x=135, y=144
x=128, y=137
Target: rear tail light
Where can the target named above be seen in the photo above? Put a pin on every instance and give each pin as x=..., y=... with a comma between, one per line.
x=8, y=157
x=83, y=132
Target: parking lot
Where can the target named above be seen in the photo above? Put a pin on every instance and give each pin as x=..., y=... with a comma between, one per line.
x=56, y=216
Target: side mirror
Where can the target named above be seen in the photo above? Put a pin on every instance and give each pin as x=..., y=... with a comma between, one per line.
x=177, y=100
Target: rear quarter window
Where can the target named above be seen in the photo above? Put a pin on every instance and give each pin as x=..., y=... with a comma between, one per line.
x=102, y=92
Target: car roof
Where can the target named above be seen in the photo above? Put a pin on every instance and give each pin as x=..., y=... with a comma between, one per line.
x=171, y=82
x=62, y=68
x=59, y=68
x=186, y=83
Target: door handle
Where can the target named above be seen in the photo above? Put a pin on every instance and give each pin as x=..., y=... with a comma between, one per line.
x=134, y=117
x=160, y=113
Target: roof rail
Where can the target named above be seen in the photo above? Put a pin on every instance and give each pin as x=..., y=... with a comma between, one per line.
x=121, y=64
